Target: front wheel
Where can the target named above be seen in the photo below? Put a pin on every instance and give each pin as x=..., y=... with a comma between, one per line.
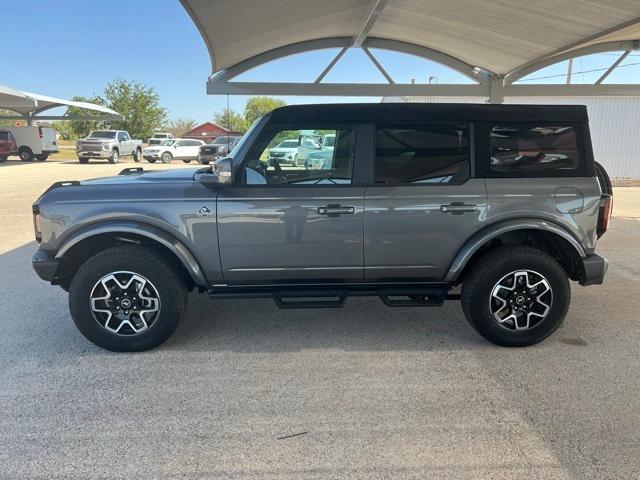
x=516, y=296
x=137, y=156
x=26, y=154
x=114, y=157
x=167, y=157
x=127, y=298
x=42, y=157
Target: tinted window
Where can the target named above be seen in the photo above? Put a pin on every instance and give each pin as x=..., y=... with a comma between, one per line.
x=433, y=153
x=297, y=157
x=4, y=136
x=533, y=149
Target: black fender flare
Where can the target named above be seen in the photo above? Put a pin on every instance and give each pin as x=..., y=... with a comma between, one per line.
x=492, y=231
x=151, y=232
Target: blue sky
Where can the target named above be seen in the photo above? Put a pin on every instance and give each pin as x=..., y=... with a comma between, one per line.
x=75, y=47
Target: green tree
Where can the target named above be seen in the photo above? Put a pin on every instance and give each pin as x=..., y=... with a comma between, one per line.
x=139, y=104
x=231, y=119
x=82, y=128
x=4, y=113
x=256, y=107
x=179, y=126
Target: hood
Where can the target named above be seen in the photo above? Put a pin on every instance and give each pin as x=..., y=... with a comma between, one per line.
x=150, y=176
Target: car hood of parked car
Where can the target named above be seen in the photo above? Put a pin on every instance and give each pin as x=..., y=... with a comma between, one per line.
x=153, y=176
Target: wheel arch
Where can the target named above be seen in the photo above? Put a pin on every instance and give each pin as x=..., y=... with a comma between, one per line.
x=90, y=240
x=547, y=235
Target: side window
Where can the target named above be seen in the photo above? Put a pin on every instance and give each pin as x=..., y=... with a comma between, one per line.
x=534, y=149
x=299, y=157
x=123, y=137
x=427, y=153
x=180, y=143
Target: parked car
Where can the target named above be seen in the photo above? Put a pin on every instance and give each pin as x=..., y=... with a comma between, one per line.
x=7, y=144
x=504, y=200
x=218, y=148
x=185, y=149
x=34, y=142
x=159, y=137
x=108, y=144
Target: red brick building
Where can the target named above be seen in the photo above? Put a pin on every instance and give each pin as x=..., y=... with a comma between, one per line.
x=208, y=131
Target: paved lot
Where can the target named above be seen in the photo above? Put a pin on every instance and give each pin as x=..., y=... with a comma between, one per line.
x=378, y=392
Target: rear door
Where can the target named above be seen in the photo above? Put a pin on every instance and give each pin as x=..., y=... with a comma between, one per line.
x=284, y=224
x=423, y=204
x=49, y=139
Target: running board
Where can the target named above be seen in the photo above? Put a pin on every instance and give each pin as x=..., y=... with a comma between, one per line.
x=309, y=298
x=413, y=297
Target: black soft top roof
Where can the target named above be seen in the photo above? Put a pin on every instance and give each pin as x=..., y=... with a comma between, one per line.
x=427, y=112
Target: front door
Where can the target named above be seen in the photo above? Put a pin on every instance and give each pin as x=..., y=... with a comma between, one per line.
x=423, y=206
x=286, y=223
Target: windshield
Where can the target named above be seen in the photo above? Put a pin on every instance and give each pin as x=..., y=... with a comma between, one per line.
x=288, y=144
x=161, y=135
x=221, y=141
x=102, y=134
x=168, y=142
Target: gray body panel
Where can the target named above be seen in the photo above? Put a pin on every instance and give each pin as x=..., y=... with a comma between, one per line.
x=167, y=202
x=407, y=234
x=275, y=234
x=263, y=234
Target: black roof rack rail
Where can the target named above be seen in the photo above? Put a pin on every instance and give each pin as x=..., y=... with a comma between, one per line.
x=132, y=171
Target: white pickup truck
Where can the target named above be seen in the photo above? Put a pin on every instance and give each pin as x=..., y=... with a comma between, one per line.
x=109, y=144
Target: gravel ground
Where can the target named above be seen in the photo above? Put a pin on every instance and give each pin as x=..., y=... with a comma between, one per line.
x=246, y=391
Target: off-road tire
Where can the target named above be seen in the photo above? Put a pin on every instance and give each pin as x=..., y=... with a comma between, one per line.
x=137, y=155
x=144, y=261
x=488, y=270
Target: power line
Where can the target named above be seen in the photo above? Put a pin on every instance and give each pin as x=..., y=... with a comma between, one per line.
x=576, y=73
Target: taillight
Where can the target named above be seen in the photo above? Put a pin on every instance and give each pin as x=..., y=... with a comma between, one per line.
x=604, y=214
x=40, y=130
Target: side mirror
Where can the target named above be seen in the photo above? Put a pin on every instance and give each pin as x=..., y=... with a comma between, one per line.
x=223, y=169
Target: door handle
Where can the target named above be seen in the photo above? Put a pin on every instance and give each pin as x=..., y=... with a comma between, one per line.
x=458, y=208
x=336, y=210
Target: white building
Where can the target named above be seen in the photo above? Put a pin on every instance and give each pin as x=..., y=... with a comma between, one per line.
x=614, y=124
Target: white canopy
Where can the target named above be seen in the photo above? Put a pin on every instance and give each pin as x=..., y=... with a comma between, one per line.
x=483, y=39
x=31, y=104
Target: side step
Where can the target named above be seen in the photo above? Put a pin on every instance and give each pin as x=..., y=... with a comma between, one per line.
x=413, y=297
x=309, y=298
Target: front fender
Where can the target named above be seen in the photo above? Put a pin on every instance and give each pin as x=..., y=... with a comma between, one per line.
x=149, y=231
x=492, y=231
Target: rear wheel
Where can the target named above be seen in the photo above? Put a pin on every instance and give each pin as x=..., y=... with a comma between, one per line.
x=26, y=154
x=167, y=157
x=127, y=298
x=115, y=156
x=42, y=157
x=516, y=296
x=137, y=156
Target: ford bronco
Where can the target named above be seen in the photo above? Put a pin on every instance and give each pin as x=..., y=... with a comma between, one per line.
x=498, y=206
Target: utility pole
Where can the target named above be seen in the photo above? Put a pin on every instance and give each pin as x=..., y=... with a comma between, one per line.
x=569, y=70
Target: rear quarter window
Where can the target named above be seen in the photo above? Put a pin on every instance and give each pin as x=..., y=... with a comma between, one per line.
x=532, y=150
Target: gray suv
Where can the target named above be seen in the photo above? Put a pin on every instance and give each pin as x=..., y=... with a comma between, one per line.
x=411, y=202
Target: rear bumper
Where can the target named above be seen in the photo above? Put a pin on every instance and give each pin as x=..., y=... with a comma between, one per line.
x=45, y=266
x=592, y=269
